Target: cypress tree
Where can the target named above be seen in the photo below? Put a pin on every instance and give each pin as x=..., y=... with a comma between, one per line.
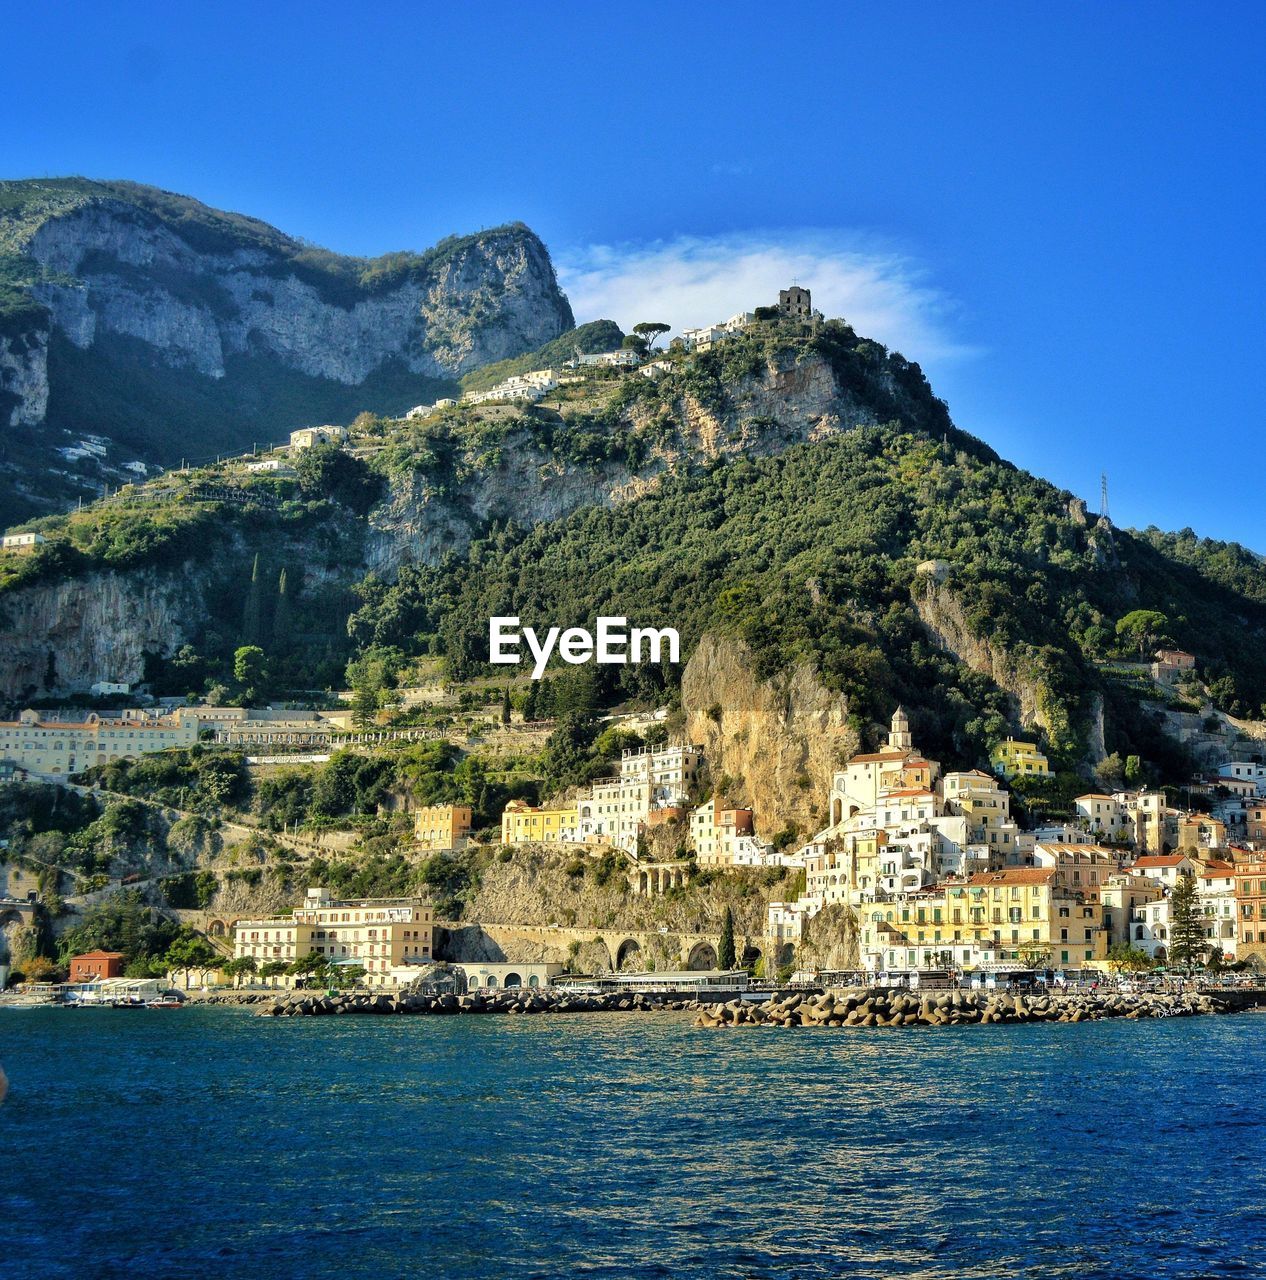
x=281, y=614
x=252, y=613
x=505, y=705
x=725, y=953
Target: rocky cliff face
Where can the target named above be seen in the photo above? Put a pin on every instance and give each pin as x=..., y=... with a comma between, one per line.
x=940, y=612
x=64, y=636
x=778, y=740
x=24, y=377
x=106, y=270
x=153, y=321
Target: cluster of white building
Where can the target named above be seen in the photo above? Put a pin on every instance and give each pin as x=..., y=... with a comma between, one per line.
x=651, y=790
x=939, y=874
x=705, y=338
x=522, y=388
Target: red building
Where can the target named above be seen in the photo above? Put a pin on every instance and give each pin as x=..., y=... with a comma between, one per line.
x=93, y=965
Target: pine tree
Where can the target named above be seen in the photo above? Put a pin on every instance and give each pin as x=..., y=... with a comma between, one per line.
x=1188, y=946
x=725, y=953
x=281, y=615
x=365, y=706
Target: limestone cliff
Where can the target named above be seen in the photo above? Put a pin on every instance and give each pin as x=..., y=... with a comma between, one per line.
x=778, y=741
x=830, y=940
x=107, y=269
x=149, y=319
x=63, y=636
x=941, y=613
x=24, y=377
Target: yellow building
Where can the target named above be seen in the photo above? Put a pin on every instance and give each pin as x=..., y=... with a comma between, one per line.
x=974, y=795
x=1030, y=908
x=1020, y=916
x=442, y=826
x=378, y=934
x=525, y=824
x=1015, y=759
x=56, y=748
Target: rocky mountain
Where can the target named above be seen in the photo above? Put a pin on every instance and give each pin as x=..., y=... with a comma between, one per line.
x=138, y=327
x=797, y=503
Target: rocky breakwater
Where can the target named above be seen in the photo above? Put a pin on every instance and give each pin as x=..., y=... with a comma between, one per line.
x=889, y=1008
x=314, y=1004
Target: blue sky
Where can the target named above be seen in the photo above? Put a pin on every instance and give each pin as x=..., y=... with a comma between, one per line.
x=1057, y=209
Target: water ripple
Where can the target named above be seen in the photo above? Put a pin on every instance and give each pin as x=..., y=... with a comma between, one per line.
x=214, y=1143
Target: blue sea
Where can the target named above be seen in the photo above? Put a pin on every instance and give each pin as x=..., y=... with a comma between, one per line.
x=211, y=1143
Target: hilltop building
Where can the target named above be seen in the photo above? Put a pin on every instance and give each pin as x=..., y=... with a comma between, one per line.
x=621, y=358
x=1170, y=664
x=309, y=437
x=795, y=303
x=527, y=387
x=522, y=823
x=22, y=542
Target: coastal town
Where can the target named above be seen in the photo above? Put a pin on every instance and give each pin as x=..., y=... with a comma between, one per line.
x=938, y=876
x=927, y=866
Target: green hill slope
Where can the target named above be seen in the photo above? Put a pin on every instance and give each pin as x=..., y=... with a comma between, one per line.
x=804, y=493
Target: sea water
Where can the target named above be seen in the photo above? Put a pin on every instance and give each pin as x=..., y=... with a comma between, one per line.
x=211, y=1143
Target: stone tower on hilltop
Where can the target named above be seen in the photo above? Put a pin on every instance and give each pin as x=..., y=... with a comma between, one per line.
x=795, y=304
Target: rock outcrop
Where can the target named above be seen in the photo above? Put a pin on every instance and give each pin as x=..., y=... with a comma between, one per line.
x=770, y=409
x=63, y=636
x=777, y=741
x=108, y=268
x=940, y=612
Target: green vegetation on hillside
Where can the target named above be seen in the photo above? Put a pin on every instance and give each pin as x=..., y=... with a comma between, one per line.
x=812, y=554
x=596, y=336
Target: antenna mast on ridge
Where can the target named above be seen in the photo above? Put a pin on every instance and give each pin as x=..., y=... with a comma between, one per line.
x=1103, y=496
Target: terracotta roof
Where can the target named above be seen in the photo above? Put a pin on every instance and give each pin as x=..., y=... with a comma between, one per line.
x=874, y=756
x=99, y=955
x=1014, y=875
x=918, y=791
x=1160, y=860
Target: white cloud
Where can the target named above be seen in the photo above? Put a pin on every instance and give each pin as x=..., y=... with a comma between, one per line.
x=692, y=281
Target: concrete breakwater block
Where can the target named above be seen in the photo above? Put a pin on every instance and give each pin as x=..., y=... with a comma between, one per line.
x=519, y=1001
x=886, y=1007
